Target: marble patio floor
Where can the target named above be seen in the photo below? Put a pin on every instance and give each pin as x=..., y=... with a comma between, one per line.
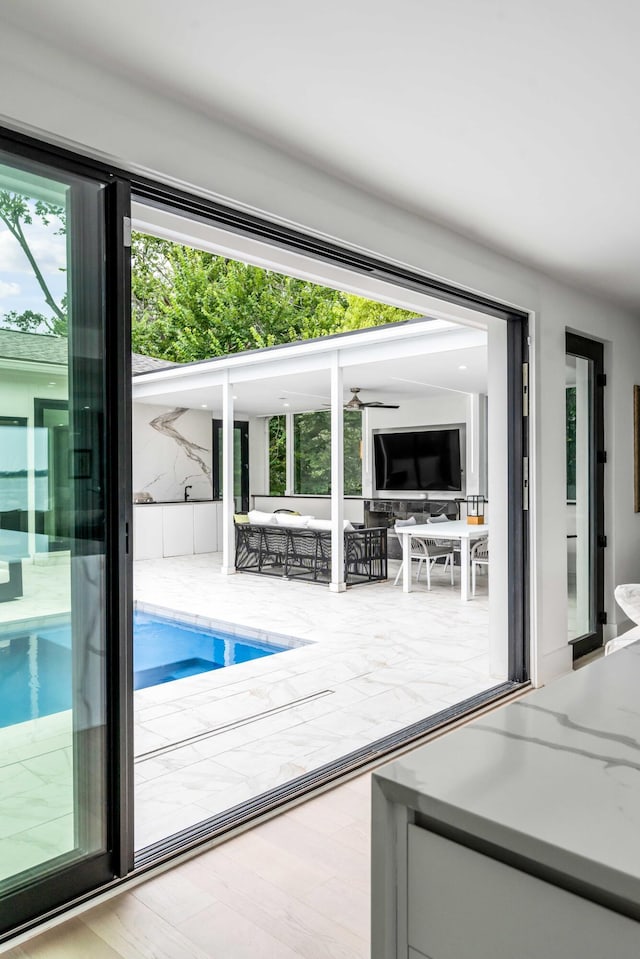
x=375, y=660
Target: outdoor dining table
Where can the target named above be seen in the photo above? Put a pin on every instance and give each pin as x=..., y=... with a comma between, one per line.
x=459, y=529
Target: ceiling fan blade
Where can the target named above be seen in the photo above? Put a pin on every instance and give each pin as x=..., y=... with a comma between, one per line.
x=382, y=406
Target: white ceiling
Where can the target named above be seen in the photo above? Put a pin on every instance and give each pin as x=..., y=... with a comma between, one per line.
x=513, y=121
x=453, y=368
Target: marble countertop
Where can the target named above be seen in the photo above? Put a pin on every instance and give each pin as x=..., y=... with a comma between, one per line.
x=551, y=782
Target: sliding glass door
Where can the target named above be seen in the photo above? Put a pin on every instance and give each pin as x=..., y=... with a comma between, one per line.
x=56, y=792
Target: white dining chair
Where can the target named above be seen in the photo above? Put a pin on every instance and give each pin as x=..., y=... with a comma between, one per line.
x=479, y=557
x=427, y=551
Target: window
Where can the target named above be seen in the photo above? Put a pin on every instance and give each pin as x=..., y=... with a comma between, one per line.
x=312, y=453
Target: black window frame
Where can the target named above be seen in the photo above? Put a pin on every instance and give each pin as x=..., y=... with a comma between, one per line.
x=216, y=430
x=31, y=904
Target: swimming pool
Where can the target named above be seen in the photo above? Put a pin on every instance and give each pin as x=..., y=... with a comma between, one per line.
x=36, y=665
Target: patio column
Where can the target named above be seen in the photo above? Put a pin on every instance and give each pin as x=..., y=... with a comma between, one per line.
x=337, y=584
x=289, y=483
x=228, y=499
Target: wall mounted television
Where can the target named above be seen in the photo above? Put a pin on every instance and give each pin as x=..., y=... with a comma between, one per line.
x=419, y=460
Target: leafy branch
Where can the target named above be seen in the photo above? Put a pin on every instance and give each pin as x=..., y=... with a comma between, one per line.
x=15, y=213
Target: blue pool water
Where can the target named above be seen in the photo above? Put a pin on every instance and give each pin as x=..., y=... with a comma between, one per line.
x=36, y=665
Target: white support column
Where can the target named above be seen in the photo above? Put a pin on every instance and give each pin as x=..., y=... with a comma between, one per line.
x=473, y=448
x=228, y=500
x=367, y=458
x=289, y=483
x=337, y=584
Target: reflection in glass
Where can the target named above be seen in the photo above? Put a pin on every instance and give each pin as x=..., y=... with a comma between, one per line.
x=52, y=539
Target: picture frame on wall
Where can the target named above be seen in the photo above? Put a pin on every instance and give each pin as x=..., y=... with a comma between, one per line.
x=80, y=464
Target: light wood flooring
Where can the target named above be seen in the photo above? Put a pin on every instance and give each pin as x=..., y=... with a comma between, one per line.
x=295, y=886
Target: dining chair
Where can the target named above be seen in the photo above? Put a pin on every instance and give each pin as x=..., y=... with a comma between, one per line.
x=479, y=557
x=427, y=551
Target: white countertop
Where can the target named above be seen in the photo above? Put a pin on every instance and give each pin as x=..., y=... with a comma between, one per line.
x=551, y=782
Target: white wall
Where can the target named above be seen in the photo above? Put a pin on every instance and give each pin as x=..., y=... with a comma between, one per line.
x=173, y=454
x=108, y=117
x=258, y=455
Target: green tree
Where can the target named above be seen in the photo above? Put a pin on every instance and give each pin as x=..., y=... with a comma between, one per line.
x=312, y=452
x=362, y=314
x=277, y=455
x=17, y=211
x=190, y=304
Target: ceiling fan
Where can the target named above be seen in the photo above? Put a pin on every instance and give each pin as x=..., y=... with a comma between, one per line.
x=355, y=403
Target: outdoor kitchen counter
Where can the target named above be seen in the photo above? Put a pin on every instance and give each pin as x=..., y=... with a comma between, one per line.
x=514, y=827
x=176, y=528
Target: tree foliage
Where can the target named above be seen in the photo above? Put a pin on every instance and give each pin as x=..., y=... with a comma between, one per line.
x=312, y=452
x=17, y=211
x=191, y=305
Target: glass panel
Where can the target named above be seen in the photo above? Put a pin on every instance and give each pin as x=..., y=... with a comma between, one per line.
x=52, y=483
x=312, y=452
x=277, y=455
x=240, y=465
x=52, y=528
x=580, y=554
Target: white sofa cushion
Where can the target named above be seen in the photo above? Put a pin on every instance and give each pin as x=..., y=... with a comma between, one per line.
x=261, y=519
x=327, y=524
x=290, y=519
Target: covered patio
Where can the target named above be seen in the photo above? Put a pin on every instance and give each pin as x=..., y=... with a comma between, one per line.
x=376, y=658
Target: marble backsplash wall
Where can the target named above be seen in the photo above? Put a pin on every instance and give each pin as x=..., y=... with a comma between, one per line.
x=171, y=449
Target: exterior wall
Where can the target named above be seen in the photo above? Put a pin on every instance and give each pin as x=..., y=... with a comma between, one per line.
x=171, y=452
x=19, y=387
x=102, y=114
x=258, y=456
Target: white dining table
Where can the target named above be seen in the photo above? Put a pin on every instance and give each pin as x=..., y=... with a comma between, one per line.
x=458, y=529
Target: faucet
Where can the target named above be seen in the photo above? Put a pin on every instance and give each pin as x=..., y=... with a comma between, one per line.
x=186, y=492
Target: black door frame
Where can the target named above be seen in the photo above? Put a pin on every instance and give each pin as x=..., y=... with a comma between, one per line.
x=585, y=348
x=40, y=404
x=74, y=881
x=118, y=505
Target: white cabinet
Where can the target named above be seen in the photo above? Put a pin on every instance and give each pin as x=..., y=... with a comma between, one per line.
x=147, y=532
x=177, y=530
x=205, y=527
x=465, y=905
x=180, y=529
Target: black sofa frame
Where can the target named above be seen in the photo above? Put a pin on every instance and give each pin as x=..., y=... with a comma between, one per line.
x=302, y=553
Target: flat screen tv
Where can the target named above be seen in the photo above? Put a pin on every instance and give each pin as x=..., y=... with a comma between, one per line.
x=418, y=460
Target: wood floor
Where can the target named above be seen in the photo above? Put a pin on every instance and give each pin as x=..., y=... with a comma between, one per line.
x=296, y=886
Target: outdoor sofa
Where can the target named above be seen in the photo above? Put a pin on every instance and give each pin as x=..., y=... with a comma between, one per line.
x=289, y=545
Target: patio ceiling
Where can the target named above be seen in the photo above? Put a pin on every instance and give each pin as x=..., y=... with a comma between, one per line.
x=386, y=368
